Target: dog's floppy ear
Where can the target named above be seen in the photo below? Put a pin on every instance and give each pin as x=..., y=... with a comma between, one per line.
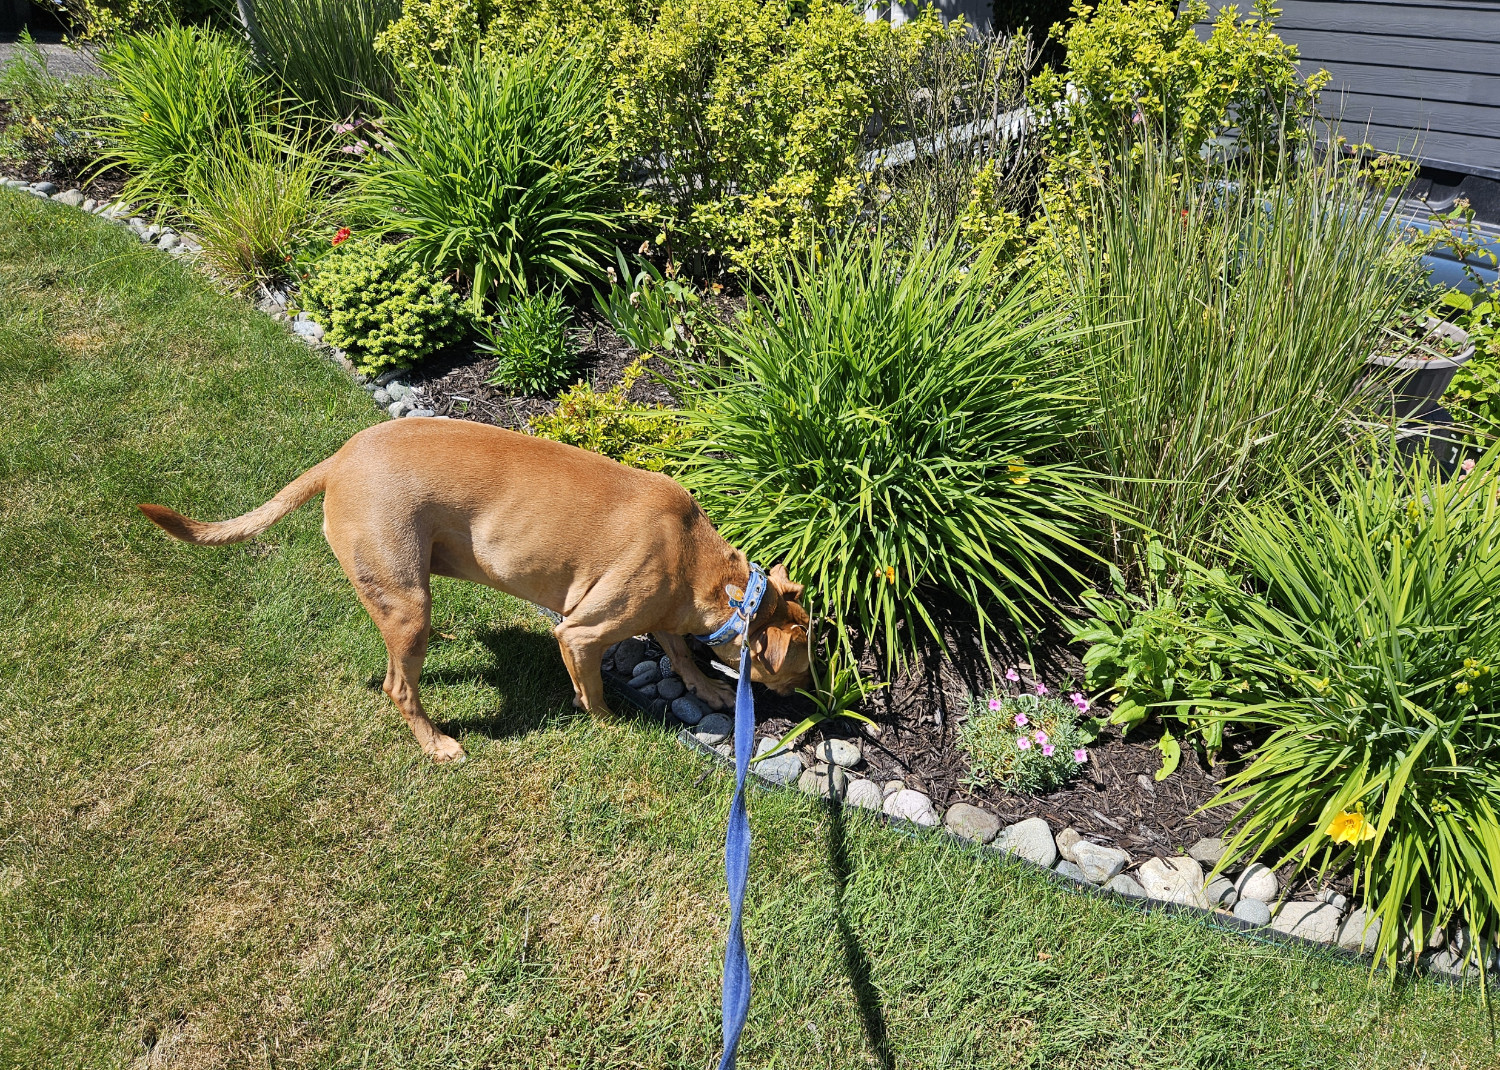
x=771, y=646
x=784, y=583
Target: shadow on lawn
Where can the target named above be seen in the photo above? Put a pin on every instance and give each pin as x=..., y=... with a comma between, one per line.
x=856, y=962
x=525, y=671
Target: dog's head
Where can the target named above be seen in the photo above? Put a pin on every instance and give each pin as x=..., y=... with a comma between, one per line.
x=779, y=655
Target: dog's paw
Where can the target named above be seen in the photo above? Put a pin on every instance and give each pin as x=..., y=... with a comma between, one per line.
x=718, y=696
x=445, y=749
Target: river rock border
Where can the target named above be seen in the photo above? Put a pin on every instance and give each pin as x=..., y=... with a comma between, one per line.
x=1244, y=900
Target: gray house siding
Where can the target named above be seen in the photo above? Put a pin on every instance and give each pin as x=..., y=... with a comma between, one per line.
x=1419, y=77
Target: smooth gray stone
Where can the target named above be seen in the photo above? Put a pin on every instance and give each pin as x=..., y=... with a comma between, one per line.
x=90, y=205
x=397, y=409
x=382, y=398
x=1099, y=864
x=783, y=768
x=1125, y=884
x=307, y=328
x=424, y=413
x=971, y=823
x=865, y=794
x=827, y=781
x=49, y=188
x=1220, y=893
x=837, y=752
x=713, y=729
x=689, y=710
x=911, y=806
x=1258, y=882
x=397, y=391
x=1313, y=921
x=627, y=651
x=671, y=687
x=73, y=198
x=1253, y=910
x=648, y=691
x=1031, y=839
x=1208, y=851
x=645, y=672
x=169, y=241
x=1353, y=936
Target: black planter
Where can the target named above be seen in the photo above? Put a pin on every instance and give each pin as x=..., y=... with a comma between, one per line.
x=1419, y=383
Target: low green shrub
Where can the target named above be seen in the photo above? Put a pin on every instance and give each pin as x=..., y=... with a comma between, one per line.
x=1174, y=652
x=608, y=422
x=529, y=338
x=889, y=425
x=176, y=92
x=1031, y=744
x=493, y=171
x=1230, y=324
x=47, y=122
x=382, y=308
x=105, y=20
x=435, y=31
x=1384, y=733
x=323, y=52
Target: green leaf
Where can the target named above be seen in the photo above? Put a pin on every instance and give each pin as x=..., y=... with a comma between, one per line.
x=1171, y=755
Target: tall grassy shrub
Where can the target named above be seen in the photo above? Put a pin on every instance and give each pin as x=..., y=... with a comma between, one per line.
x=1384, y=751
x=495, y=172
x=178, y=90
x=324, y=53
x=1230, y=324
x=890, y=426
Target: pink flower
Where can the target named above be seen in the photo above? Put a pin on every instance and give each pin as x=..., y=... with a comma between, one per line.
x=1079, y=701
x=1041, y=737
x=1468, y=466
x=1047, y=750
x=1080, y=755
x=1023, y=743
x=994, y=705
x=1041, y=689
x=1010, y=674
x=1020, y=720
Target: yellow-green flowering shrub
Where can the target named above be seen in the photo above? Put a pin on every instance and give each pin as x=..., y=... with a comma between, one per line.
x=608, y=422
x=1138, y=65
x=430, y=31
x=750, y=117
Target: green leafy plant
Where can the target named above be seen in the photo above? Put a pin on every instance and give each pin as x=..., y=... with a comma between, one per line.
x=323, y=51
x=46, y=121
x=1384, y=746
x=608, y=422
x=652, y=310
x=177, y=91
x=750, y=118
x=105, y=20
x=252, y=201
x=888, y=424
x=381, y=307
x=1171, y=651
x=1032, y=744
x=1216, y=375
x=494, y=172
x=529, y=338
x=1139, y=67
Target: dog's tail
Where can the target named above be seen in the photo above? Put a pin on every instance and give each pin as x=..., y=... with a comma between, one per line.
x=295, y=493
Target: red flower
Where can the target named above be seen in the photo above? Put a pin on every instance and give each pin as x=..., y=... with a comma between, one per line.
x=341, y=236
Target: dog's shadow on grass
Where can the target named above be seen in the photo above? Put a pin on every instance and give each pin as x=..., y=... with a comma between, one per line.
x=856, y=962
x=527, y=684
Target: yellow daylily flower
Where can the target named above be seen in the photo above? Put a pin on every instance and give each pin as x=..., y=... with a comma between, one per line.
x=1350, y=826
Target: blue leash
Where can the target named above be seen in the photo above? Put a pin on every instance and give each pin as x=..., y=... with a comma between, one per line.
x=736, y=995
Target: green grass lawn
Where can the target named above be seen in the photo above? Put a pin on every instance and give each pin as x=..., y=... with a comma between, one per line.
x=220, y=846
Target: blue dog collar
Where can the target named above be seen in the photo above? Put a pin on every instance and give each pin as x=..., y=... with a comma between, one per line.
x=742, y=610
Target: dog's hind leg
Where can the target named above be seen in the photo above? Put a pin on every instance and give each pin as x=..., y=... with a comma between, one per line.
x=399, y=601
x=582, y=647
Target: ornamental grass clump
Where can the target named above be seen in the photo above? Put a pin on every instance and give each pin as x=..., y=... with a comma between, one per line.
x=890, y=425
x=1384, y=749
x=494, y=170
x=382, y=308
x=1030, y=744
x=1230, y=325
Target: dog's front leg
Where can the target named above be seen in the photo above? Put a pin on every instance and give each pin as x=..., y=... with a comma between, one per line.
x=717, y=693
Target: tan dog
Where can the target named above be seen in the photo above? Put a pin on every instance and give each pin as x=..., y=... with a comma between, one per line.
x=616, y=551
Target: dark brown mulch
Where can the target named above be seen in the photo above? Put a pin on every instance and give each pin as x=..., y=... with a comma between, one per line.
x=458, y=385
x=101, y=188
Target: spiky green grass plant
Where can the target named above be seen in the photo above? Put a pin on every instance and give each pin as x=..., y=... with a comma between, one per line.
x=323, y=52
x=890, y=426
x=1384, y=753
x=1231, y=322
x=493, y=169
x=177, y=90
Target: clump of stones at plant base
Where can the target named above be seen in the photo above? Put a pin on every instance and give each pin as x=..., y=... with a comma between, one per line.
x=832, y=768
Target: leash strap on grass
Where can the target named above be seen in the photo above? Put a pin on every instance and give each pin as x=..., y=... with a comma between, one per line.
x=737, y=869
